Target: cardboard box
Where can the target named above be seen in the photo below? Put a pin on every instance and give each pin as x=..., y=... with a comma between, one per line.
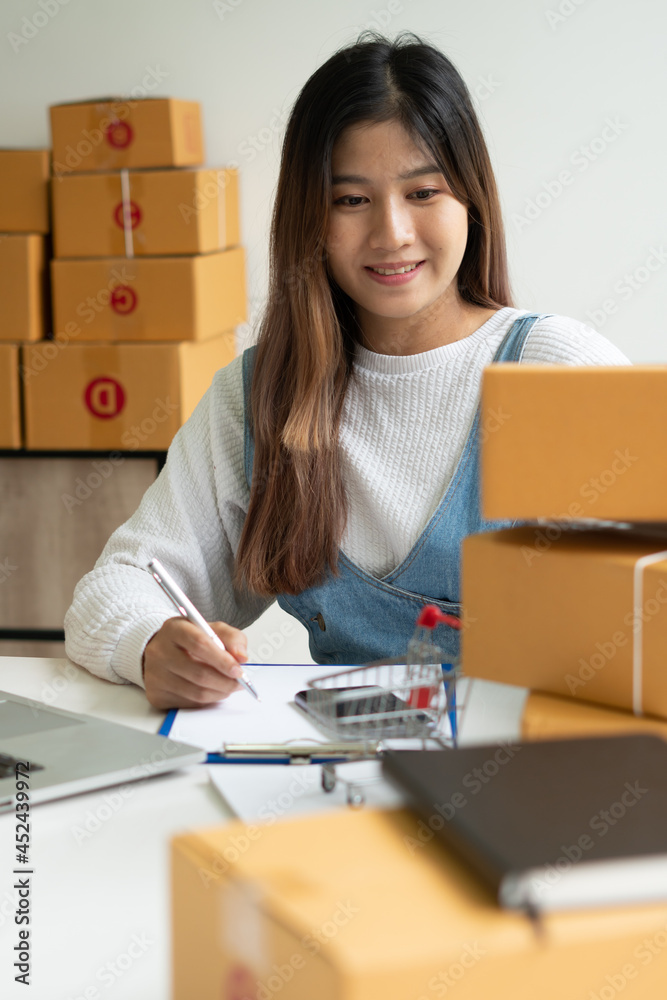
x=150, y=298
x=554, y=610
x=10, y=410
x=109, y=134
x=130, y=397
x=569, y=442
x=154, y=212
x=22, y=278
x=548, y=717
x=365, y=905
x=24, y=191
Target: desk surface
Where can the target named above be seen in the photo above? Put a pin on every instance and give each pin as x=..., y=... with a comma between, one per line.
x=100, y=889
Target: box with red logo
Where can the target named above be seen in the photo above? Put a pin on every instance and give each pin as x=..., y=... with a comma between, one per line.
x=142, y=213
x=150, y=298
x=109, y=134
x=10, y=415
x=22, y=278
x=24, y=191
x=369, y=905
x=130, y=397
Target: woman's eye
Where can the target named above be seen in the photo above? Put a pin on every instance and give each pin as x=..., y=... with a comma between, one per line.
x=352, y=200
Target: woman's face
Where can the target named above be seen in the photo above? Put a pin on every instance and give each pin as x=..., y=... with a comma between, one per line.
x=392, y=208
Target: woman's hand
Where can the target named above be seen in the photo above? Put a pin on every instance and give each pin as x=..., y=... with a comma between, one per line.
x=183, y=668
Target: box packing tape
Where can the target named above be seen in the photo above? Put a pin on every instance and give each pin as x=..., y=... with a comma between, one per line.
x=127, y=211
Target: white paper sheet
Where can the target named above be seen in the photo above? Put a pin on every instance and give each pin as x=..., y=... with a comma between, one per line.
x=269, y=792
x=241, y=719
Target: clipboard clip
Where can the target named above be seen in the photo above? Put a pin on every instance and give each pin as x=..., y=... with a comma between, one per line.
x=301, y=753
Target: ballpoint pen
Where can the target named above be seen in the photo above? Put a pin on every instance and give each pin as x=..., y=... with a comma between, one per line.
x=186, y=608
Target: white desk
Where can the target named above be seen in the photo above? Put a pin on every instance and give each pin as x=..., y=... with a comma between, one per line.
x=100, y=896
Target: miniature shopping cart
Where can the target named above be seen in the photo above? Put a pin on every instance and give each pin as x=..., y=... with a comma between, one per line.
x=413, y=698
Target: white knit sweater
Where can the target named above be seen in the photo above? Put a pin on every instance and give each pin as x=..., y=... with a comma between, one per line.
x=404, y=425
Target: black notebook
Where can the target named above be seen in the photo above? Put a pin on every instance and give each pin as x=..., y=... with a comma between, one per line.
x=548, y=825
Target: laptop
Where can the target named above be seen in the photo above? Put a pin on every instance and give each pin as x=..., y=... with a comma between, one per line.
x=71, y=753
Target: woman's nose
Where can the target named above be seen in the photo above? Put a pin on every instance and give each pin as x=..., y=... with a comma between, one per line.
x=391, y=228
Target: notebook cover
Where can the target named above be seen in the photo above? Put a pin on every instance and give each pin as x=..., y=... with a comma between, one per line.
x=506, y=808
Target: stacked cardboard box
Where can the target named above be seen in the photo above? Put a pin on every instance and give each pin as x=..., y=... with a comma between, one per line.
x=24, y=223
x=148, y=277
x=361, y=905
x=566, y=604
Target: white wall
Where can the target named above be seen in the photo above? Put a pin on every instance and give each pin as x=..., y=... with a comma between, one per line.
x=549, y=75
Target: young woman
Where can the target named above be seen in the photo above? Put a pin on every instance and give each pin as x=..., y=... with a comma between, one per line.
x=335, y=466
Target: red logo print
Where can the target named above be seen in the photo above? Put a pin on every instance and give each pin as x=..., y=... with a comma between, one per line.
x=104, y=398
x=241, y=985
x=123, y=299
x=134, y=215
x=119, y=135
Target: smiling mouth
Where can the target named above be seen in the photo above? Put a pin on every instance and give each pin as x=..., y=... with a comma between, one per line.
x=400, y=270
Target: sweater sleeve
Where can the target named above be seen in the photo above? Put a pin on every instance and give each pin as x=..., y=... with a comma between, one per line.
x=191, y=519
x=560, y=340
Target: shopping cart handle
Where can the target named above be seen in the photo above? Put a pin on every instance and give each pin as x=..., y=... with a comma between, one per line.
x=430, y=616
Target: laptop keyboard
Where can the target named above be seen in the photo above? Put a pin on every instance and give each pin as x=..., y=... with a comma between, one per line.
x=8, y=765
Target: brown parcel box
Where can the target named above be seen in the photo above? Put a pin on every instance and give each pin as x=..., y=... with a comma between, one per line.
x=24, y=191
x=110, y=134
x=365, y=905
x=556, y=612
x=150, y=298
x=547, y=717
x=574, y=442
x=10, y=415
x=160, y=212
x=121, y=396
x=22, y=276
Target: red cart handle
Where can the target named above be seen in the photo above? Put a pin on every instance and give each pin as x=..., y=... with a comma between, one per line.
x=430, y=616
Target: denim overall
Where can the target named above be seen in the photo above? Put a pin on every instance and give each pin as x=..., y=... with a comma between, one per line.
x=357, y=618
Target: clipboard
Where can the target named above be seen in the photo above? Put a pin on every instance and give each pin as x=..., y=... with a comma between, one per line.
x=293, y=678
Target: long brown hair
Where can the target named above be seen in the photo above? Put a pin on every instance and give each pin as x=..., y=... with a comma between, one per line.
x=297, y=511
